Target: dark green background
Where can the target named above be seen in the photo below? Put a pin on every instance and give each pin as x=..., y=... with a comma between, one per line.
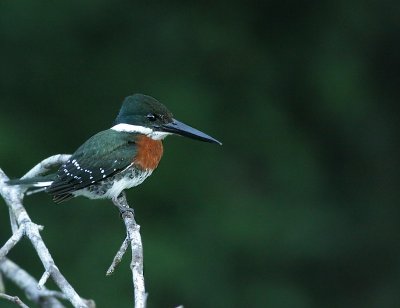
x=298, y=208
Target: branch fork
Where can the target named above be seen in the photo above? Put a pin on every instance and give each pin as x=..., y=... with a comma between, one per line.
x=134, y=239
x=22, y=225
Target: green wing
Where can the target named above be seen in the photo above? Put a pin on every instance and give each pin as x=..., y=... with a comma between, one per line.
x=101, y=156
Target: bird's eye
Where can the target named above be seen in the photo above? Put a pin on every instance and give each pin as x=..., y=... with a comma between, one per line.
x=152, y=117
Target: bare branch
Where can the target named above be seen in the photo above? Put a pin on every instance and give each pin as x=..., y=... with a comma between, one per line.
x=28, y=284
x=22, y=225
x=133, y=235
x=43, y=279
x=2, y=287
x=13, y=221
x=12, y=241
x=46, y=165
x=118, y=256
x=13, y=196
x=14, y=299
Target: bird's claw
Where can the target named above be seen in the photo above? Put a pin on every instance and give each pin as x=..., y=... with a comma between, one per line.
x=124, y=209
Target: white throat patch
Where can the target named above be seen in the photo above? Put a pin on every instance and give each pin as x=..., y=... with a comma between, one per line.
x=122, y=127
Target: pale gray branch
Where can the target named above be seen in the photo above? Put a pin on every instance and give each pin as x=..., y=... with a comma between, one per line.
x=13, y=196
x=28, y=284
x=133, y=235
x=13, y=221
x=14, y=299
x=118, y=256
x=46, y=165
x=43, y=279
x=2, y=287
x=12, y=241
x=22, y=225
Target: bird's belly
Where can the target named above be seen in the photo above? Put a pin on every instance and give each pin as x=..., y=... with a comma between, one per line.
x=111, y=187
x=127, y=182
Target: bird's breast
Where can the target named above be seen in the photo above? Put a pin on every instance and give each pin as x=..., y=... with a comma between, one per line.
x=149, y=152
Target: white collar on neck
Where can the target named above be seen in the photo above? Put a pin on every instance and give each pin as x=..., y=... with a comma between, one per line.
x=122, y=127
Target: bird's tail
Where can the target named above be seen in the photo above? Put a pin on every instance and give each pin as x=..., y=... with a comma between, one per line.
x=39, y=182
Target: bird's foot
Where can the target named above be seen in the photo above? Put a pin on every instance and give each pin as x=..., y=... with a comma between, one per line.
x=121, y=203
x=124, y=210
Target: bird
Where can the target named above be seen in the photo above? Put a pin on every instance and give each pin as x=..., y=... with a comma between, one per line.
x=118, y=158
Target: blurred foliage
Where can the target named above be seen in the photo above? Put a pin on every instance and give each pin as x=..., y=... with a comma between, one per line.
x=299, y=208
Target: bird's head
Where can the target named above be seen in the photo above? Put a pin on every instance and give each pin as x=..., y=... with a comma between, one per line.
x=144, y=114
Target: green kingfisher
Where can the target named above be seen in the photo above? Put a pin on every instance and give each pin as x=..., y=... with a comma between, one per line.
x=118, y=158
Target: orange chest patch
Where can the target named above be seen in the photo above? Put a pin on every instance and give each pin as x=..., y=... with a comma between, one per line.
x=149, y=152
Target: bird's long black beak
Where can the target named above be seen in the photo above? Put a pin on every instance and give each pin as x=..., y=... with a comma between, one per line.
x=182, y=129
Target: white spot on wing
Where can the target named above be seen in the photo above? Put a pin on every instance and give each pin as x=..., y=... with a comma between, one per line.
x=42, y=184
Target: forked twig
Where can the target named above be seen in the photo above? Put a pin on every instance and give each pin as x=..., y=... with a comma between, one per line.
x=28, y=284
x=22, y=225
x=13, y=196
x=133, y=237
x=14, y=299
